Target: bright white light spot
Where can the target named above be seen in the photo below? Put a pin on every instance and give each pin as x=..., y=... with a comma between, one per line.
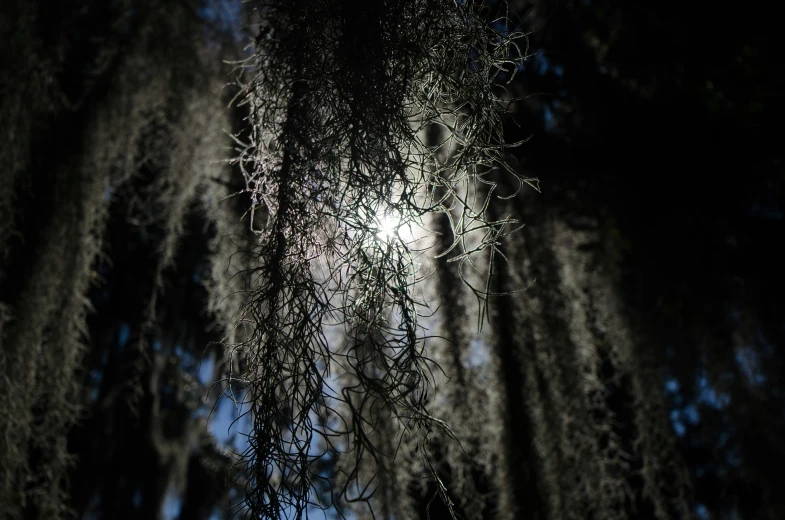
x=388, y=227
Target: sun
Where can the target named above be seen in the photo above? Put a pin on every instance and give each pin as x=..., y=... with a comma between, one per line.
x=391, y=226
x=388, y=227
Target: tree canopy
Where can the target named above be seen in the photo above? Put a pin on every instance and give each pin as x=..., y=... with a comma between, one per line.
x=266, y=259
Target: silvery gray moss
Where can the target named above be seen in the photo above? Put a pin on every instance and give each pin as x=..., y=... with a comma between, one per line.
x=344, y=182
x=375, y=132
x=138, y=106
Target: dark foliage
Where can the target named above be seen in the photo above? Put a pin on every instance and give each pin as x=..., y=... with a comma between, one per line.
x=631, y=361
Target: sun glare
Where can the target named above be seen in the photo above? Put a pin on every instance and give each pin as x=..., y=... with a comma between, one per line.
x=388, y=227
x=391, y=227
